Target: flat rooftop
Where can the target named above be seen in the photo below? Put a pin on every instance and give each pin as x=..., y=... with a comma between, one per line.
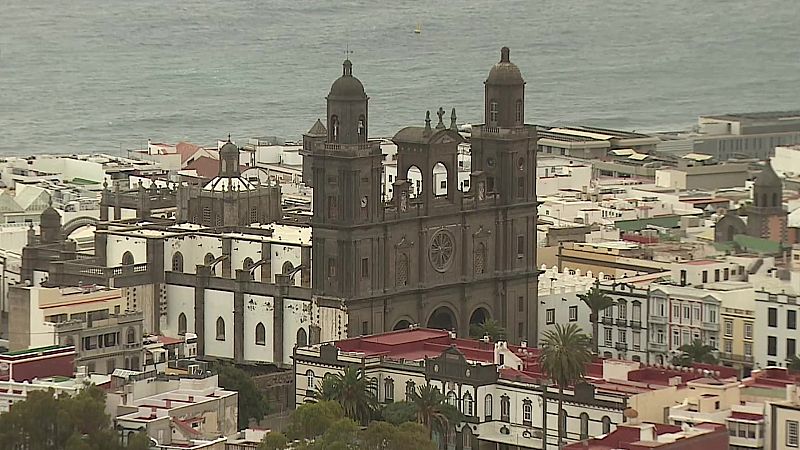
x=758, y=116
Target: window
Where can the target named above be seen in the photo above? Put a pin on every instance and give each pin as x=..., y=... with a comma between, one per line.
x=527, y=413
x=521, y=304
x=606, y=424
x=660, y=336
x=676, y=339
x=584, y=426
x=637, y=340
x=302, y=337
x=623, y=336
x=726, y=274
x=452, y=399
x=331, y=267
x=716, y=274
x=181, y=324
x=686, y=313
x=310, y=380
x=550, y=316
x=772, y=346
x=573, y=313
x=487, y=407
x=468, y=405
x=772, y=317
x=712, y=341
x=493, y=111
x=791, y=319
x=364, y=327
x=177, y=262
x=608, y=337
x=748, y=349
x=676, y=311
x=518, y=112
x=705, y=276
x=505, y=408
x=748, y=331
x=622, y=309
x=364, y=267
x=411, y=389
x=727, y=346
x=728, y=328
x=636, y=312
x=220, y=329
x=388, y=389
x=466, y=438
x=696, y=311
x=520, y=246
x=261, y=334
x=131, y=336
x=791, y=433
x=711, y=315
x=127, y=259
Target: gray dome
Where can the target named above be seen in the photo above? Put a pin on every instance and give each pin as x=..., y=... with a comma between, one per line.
x=347, y=86
x=229, y=148
x=505, y=72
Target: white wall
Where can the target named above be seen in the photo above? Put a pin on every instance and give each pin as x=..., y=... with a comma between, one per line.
x=180, y=299
x=118, y=245
x=218, y=304
x=258, y=309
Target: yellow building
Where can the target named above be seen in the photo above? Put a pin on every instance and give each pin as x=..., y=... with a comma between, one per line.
x=736, y=344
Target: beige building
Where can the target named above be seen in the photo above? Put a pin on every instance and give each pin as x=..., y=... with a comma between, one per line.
x=784, y=421
x=614, y=259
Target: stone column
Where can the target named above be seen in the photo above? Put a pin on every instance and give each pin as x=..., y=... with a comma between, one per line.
x=201, y=280
x=277, y=317
x=226, y=261
x=242, y=277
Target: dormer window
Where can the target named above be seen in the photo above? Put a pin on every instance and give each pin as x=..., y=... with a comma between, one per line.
x=493, y=111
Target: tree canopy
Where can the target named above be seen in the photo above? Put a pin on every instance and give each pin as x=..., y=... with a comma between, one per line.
x=251, y=402
x=352, y=390
x=44, y=421
x=597, y=301
x=696, y=352
x=488, y=327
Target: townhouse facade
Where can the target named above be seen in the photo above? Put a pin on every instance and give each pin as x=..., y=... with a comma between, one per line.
x=624, y=326
x=776, y=328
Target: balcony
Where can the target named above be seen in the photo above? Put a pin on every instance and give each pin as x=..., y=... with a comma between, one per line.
x=636, y=324
x=658, y=319
x=656, y=347
x=732, y=357
x=607, y=321
x=622, y=323
x=621, y=346
x=711, y=326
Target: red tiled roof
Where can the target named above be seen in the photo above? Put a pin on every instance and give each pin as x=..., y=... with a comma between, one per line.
x=737, y=415
x=166, y=340
x=206, y=167
x=186, y=150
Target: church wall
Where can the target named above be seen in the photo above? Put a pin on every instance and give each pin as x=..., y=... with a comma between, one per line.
x=332, y=322
x=258, y=309
x=218, y=304
x=296, y=314
x=242, y=249
x=118, y=245
x=282, y=254
x=180, y=299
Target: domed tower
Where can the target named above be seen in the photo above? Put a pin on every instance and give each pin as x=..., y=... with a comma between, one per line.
x=50, y=226
x=766, y=217
x=229, y=160
x=347, y=109
x=504, y=102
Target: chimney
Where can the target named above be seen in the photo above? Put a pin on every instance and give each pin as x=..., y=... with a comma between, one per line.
x=153, y=410
x=191, y=399
x=168, y=403
x=647, y=432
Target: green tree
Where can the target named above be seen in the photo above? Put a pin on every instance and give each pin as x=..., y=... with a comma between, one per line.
x=273, y=441
x=489, y=327
x=433, y=411
x=342, y=434
x=385, y=436
x=251, y=401
x=597, y=301
x=564, y=354
x=313, y=419
x=696, y=352
x=46, y=422
x=351, y=390
x=398, y=413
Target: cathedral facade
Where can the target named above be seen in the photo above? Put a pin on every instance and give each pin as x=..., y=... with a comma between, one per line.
x=438, y=257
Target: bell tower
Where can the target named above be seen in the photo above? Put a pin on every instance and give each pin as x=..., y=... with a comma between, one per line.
x=347, y=109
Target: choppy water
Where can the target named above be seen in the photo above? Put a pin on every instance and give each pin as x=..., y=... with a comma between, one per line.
x=91, y=75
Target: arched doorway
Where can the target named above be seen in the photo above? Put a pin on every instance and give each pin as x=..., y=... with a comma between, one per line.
x=402, y=325
x=479, y=316
x=443, y=318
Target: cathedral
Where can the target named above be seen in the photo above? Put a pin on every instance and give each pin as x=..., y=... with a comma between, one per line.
x=440, y=257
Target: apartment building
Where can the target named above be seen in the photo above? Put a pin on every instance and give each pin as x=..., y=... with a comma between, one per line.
x=104, y=344
x=776, y=327
x=623, y=328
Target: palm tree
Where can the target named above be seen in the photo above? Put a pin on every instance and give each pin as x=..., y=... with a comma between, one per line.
x=696, y=352
x=433, y=411
x=597, y=301
x=564, y=354
x=352, y=390
x=489, y=327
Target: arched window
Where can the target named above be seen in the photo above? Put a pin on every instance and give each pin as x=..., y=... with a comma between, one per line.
x=584, y=426
x=247, y=263
x=220, y=329
x=452, y=399
x=287, y=268
x=208, y=260
x=414, y=178
x=518, y=112
x=479, y=259
x=493, y=112
x=334, y=128
x=487, y=407
x=177, y=262
x=388, y=390
x=411, y=389
x=131, y=336
x=402, y=269
x=181, y=324
x=505, y=408
x=468, y=405
x=310, y=380
x=466, y=438
x=302, y=338
x=362, y=127
x=261, y=334
x=527, y=412
x=440, y=175
x=606, y=424
x=127, y=259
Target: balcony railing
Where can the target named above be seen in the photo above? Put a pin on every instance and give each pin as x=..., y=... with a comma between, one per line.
x=622, y=323
x=713, y=326
x=607, y=321
x=656, y=347
x=735, y=357
x=658, y=319
x=636, y=324
x=621, y=347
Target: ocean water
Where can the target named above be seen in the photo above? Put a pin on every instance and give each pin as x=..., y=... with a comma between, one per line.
x=91, y=75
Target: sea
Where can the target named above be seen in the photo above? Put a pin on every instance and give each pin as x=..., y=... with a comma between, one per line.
x=85, y=76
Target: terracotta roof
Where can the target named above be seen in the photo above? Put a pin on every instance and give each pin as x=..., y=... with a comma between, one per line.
x=204, y=166
x=186, y=150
